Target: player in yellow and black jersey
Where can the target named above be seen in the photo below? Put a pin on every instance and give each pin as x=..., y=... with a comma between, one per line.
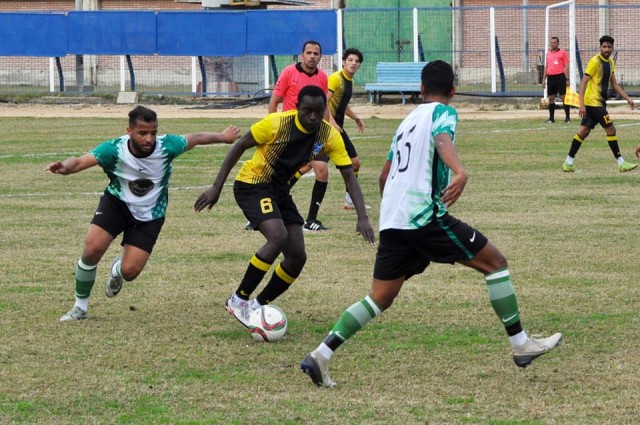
x=284, y=142
x=598, y=77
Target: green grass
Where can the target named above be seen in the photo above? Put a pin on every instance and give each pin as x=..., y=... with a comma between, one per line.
x=165, y=350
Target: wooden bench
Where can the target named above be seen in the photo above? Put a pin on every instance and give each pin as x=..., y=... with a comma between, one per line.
x=396, y=77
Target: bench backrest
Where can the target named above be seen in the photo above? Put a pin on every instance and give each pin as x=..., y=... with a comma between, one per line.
x=399, y=72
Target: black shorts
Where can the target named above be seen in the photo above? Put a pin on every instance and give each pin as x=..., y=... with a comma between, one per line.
x=596, y=115
x=348, y=144
x=409, y=252
x=114, y=216
x=260, y=202
x=556, y=84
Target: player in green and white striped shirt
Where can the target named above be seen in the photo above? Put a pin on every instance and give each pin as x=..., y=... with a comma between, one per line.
x=134, y=203
x=422, y=177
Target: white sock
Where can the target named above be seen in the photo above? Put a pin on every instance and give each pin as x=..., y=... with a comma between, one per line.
x=619, y=160
x=115, y=269
x=347, y=198
x=518, y=339
x=255, y=304
x=325, y=351
x=236, y=301
x=569, y=160
x=83, y=303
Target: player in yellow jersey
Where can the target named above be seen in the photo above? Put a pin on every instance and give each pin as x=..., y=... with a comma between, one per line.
x=284, y=141
x=340, y=92
x=593, y=105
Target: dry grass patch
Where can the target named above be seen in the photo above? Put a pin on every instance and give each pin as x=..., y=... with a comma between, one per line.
x=165, y=350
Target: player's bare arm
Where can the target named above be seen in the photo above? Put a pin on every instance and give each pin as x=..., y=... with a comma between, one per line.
x=274, y=101
x=229, y=135
x=351, y=114
x=638, y=151
x=210, y=196
x=618, y=89
x=449, y=155
x=382, y=179
x=363, y=226
x=72, y=165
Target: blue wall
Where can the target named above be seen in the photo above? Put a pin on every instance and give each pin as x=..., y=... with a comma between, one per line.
x=167, y=33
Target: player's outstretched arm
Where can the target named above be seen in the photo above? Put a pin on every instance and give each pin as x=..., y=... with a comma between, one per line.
x=449, y=155
x=230, y=134
x=210, y=196
x=638, y=151
x=363, y=226
x=72, y=165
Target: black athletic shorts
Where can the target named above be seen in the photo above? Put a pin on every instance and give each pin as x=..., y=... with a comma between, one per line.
x=114, y=216
x=596, y=115
x=409, y=252
x=556, y=84
x=260, y=202
x=348, y=144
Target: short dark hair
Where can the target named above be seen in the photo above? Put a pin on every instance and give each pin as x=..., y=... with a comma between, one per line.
x=437, y=78
x=606, y=39
x=314, y=91
x=555, y=38
x=304, y=46
x=140, y=113
x=352, y=51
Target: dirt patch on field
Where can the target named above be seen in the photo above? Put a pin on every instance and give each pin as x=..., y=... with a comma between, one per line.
x=466, y=110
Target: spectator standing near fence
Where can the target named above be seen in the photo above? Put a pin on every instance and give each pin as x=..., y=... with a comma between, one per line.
x=593, y=105
x=415, y=228
x=134, y=203
x=556, y=77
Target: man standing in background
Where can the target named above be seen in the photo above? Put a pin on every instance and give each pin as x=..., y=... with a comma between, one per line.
x=556, y=77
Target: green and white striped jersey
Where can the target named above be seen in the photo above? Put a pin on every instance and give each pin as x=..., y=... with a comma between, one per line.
x=413, y=190
x=142, y=183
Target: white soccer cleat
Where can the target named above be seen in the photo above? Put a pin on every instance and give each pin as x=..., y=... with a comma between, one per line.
x=533, y=348
x=76, y=313
x=241, y=311
x=317, y=367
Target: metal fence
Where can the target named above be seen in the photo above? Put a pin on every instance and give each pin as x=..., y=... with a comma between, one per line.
x=462, y=36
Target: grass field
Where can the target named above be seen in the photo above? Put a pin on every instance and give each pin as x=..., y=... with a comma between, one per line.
x=166, y=351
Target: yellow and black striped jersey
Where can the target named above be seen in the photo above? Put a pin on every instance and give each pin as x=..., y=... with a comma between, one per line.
x=600, y=70
x=342, y=88
x=284, y=146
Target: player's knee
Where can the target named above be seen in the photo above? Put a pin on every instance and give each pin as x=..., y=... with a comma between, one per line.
x=92, y=254
x=130, y=271
x=322, y=173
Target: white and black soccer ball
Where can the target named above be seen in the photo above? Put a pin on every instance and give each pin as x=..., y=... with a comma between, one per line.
x=268, y=324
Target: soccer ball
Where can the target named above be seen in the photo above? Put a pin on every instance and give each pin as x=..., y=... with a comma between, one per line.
x=268, y=324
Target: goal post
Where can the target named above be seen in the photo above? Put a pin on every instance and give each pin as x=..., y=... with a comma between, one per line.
x=571, y=22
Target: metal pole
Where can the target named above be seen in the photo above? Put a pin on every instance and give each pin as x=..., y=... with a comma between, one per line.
x=79, y=59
